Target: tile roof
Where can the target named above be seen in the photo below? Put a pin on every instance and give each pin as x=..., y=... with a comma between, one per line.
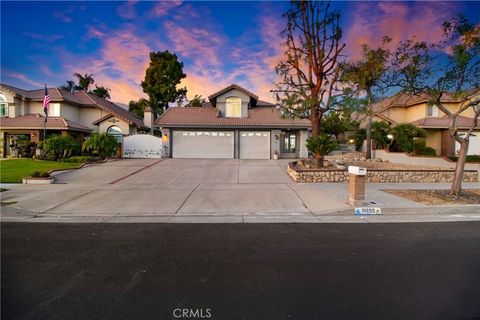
x=208, y=117
x=80, y=98
x=443, y=122
x=406, y=100
x=233, y=86
x=35, y=121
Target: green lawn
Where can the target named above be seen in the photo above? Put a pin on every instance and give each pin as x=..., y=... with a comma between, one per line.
x=13, y=170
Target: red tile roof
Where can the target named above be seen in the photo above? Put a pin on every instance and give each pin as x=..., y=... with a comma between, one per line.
x=80, y=98
x=443, y=122
x=35, y=121
x=208, y=117
x=230, y=87
x=406, y=100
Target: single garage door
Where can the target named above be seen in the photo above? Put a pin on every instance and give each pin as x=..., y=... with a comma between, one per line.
x=202, y=144
x=254, y=145
x=473, y=144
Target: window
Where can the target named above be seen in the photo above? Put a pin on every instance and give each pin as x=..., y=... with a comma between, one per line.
x=3, y=106
x=116, y=132
x=233, y=107
x=432, y=111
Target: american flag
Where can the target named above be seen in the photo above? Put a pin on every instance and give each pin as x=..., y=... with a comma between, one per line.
x=46, y=103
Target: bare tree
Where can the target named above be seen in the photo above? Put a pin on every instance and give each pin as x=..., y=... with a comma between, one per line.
x=310, y=70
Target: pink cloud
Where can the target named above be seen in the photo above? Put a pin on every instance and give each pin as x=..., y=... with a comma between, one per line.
x=62, y=16
x=200, y=44
x=44, y=37
x=399, y=20
x=162, y=8
x=22, y=77
x=127, y=10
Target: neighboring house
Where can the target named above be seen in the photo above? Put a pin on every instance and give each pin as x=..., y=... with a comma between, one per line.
x=76, y=114
x=415, y=109
x=234, y=124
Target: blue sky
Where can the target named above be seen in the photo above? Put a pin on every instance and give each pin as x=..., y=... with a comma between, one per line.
x=219, y=42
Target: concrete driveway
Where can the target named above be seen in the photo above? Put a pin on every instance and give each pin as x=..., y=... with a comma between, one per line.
x=193, y=190
x=176, y=189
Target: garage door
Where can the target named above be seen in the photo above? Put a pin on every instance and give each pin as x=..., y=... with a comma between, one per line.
x=202, y=144
x=254, y=145
x=473, y=145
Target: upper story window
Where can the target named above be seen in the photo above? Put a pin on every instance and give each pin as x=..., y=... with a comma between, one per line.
x=3, y=106
x=233, y=107
x=432, y=111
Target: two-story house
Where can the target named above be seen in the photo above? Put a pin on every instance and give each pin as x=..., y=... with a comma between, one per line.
x=74, y=113
x=415, y=109
x=233, y=124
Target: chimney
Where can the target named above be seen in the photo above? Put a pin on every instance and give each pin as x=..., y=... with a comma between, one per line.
x=148, y=118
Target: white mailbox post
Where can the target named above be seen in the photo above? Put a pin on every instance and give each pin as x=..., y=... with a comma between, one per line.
x=356, y=185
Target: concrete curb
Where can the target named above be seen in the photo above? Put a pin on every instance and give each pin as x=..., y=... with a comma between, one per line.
x=391, y=215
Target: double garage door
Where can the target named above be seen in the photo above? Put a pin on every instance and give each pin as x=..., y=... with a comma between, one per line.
x=220, y=144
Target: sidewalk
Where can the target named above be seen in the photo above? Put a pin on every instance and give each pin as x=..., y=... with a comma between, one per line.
x=389, y=215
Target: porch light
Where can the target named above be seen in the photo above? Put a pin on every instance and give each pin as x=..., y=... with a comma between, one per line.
x=351, y=141
x=165, y=137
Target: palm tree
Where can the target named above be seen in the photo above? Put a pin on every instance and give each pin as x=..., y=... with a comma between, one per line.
x=69, y=86
x=101, y=92
x=84, y=81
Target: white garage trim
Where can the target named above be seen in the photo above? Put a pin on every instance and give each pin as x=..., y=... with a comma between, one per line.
x=254, y=144
x=203, y=144
x=473, y=143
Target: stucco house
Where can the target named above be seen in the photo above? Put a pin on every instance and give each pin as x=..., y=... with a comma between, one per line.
x=74, y=113
x=415, y=109
x=234, y=124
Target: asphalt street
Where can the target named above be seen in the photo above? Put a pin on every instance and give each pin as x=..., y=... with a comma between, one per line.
x=240, y=271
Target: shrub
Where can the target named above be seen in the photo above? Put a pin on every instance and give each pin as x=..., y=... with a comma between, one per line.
x=403, y=135
x=36, y=174
x=80, y=159
x=380, y=130
x=59, y=147
x=101, y=143
x=43, y=174
x=470, y=158
x=425, y=151
x=320, y=146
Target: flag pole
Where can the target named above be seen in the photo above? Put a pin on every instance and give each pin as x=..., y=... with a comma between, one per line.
x=45, y=119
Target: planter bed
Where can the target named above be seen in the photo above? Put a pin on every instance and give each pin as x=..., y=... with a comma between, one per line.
x=378, y=174
x=38, y=180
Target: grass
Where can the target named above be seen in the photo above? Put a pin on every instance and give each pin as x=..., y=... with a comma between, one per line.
x=14, y=170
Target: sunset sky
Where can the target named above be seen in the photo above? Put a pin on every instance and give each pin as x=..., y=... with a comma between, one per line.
x=219, y=42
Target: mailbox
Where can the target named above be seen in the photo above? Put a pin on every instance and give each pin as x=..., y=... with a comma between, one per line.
x=358, y=171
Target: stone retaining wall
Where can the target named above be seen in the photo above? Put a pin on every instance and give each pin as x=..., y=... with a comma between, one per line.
x=379, y=176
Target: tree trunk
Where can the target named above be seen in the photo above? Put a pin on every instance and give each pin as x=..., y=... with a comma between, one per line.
x=460, y=168
x=315, y=120
x=368, y=130
x=319, y=158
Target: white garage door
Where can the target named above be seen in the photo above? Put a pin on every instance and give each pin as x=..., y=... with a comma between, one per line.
x=473, y=144
x=254, y=145
x=202, y=144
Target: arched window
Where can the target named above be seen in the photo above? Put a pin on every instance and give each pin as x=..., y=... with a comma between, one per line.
x=3, y=106
x=233, y=107
x=116, y=132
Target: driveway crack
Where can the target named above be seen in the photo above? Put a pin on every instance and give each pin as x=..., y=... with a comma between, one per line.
x=186, y=199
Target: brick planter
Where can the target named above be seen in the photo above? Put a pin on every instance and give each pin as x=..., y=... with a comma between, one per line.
x=378, y=176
